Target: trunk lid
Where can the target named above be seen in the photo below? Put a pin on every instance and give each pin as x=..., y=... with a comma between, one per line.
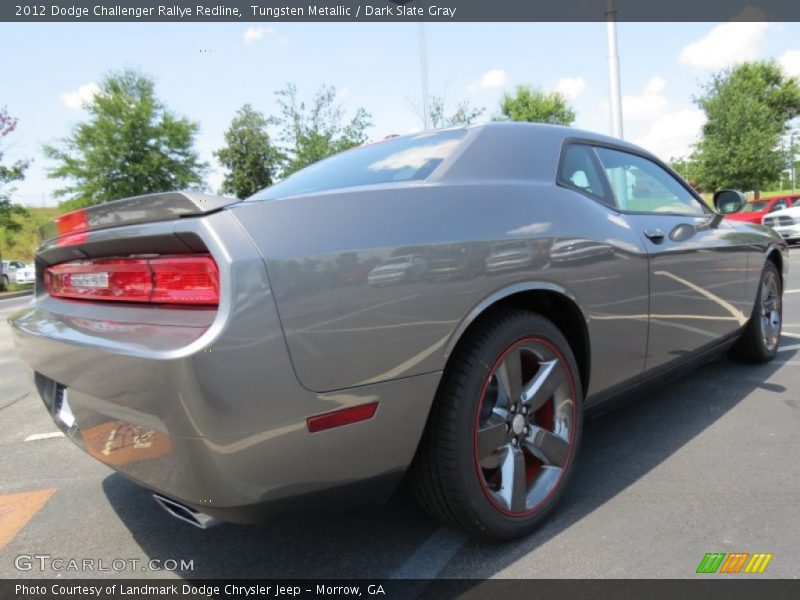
x=68, y=229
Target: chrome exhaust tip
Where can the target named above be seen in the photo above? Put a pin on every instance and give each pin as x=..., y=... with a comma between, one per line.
x=186, y=514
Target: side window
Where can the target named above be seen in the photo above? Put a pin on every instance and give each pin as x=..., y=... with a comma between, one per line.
x=579, y=170
x=779, y=205
x=640, y=185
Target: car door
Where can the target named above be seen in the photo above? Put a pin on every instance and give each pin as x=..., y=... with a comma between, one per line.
x=697, y=261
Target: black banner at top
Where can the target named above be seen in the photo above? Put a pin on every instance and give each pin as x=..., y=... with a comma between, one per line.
x=397, y=10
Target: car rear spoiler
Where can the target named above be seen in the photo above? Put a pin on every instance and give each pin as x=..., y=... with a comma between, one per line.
x=164, y=206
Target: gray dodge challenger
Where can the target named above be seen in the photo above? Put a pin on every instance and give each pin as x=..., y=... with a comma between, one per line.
x=440, y=308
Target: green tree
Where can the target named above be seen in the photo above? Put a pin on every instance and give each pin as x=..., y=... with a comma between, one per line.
x=130, y=145
x=8, y=174
x=748, y=108
x=464, y=113
x=22, y=243
x=251, y=160
x=311, y=131
x=535, y=106
x=689, y=168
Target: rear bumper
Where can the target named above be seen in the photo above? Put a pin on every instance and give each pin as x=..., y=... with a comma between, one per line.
x=259, y=475
x=206, y=408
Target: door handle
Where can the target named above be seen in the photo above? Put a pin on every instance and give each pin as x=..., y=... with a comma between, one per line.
x=654, y=235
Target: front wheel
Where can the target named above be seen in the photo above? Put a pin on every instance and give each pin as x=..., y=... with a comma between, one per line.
x=761, y=337
x=504, y=430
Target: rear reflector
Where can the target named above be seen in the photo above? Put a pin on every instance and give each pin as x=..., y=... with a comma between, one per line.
x=73, y=222
x=73, y=228
x=187, y=280
x=337, y=418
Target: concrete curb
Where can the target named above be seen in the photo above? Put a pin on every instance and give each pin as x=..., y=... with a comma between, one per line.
x=9, y=295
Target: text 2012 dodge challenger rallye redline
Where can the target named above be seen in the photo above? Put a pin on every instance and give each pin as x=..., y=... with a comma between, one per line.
x=241, y=360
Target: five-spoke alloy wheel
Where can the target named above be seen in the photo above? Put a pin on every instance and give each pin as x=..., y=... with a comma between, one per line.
x=524, y=426
x=761, y=336
x=504, y=428
x=770, y=310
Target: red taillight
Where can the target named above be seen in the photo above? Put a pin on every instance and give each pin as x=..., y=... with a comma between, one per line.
x=345, y=416
x=192, y=280
x=72, y=222
x=72, y=227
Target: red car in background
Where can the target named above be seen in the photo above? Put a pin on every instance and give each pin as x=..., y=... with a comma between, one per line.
x=753, y=212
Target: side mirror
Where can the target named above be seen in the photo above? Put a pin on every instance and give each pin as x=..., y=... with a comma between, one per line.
x=729, y=201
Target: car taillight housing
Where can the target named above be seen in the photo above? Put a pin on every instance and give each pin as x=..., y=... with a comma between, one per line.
x=72, y=227
x=186, y=280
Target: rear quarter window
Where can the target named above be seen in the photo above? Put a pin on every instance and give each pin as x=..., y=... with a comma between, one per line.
x=410, y=158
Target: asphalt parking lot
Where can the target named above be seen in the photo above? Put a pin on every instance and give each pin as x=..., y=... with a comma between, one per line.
x=708, y=463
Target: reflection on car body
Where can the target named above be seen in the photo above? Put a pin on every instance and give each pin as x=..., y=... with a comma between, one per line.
x=398, y=269
x=458, y=261
x=513, y=255
x=578, y=250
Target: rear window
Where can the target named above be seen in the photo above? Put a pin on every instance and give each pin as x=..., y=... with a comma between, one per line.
x=410, y=158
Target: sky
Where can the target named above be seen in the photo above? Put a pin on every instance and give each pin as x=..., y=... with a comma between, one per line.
x=207, y=71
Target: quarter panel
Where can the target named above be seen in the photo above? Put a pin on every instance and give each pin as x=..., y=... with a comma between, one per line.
x=352, y=315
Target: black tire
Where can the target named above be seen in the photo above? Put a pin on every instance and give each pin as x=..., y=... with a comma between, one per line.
x=449, y=478
x=5, y=281
x=761, y=336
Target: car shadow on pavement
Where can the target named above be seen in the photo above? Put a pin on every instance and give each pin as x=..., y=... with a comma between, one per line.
x=619, y=448
x=624, y=445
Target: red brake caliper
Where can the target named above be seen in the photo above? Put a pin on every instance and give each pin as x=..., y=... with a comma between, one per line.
x=544, y=419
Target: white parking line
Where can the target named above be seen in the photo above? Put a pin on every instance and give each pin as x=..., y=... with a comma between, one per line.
x=44, y=436
x=727, y=306
x=432, y=556
x=791, y=291
x=790, y=347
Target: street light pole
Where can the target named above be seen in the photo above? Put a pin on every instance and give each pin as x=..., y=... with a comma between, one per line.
x=792, y=163
x=423, y=66
x=614, y=87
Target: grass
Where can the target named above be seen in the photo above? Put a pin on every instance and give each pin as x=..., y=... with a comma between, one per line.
x=21, y=245
x=767, y=194
x=17, y=287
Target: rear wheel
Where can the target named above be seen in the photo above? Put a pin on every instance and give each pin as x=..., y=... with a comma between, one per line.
x=503, y=433
x=761, y=337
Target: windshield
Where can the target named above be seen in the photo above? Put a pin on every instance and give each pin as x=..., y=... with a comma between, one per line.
x=754, y=206
x=410, y=158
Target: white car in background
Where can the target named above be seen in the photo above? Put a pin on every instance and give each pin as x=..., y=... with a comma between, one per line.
x=15, y=271
x=8, y=269
x=25, y=274
x=786, y=222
